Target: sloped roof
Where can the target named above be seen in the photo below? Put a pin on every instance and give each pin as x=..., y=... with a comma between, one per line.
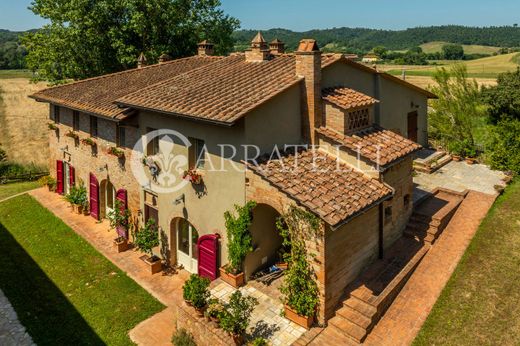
x=221, y=92
x=347, y=98
x=97, y=95
x=332, y=190
x=375, y=144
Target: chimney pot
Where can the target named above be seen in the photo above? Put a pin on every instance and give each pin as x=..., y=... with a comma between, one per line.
x=206, y=48
x=142, y=61
x=277, y=47
x=164, y=58
x=259, y=50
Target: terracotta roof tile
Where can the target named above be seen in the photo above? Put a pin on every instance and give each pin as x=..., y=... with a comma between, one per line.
x=97, y=95
x=374, y=144
x=347, y=98
x=333, y=191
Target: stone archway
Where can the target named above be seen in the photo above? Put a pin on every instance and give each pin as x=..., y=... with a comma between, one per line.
x=266, y=239
x=183, y=244
x=107, y=197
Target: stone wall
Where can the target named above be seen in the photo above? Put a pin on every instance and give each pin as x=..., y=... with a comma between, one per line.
x=203, y=331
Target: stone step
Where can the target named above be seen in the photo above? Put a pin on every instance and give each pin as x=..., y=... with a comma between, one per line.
x=426, y=219
x=432, y=163
x=354, y=316
x=348, y=328
x=420, y=227
x=362, y=307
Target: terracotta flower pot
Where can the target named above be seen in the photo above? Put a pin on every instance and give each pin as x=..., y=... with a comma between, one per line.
x=456, y=158
x=305, y=322
x=238, y=339
x=155, y=264
x=234, y=280
x=282, y=265
x=200, y=311
x=470, y=160
x=121, y=244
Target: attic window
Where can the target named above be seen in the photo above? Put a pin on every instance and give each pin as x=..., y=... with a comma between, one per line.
x=358, y=119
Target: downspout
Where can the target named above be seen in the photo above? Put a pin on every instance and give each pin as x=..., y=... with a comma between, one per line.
x=381, y=229
x=377, y=96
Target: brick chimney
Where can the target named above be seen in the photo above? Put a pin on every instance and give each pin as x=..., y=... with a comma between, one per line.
x=277, y=47
x=259, y=50
x=164, y=58
x=206, y=48
x=141, y=61
x=308, y=66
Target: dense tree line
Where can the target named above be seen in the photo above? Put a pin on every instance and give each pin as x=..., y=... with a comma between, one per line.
x=363, y=40
x=12, y=53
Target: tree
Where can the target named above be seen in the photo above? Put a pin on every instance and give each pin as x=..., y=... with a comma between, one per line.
x=457, y=112
x=453, y=52
x=88, y=38
x=380, y=51
x=504, y=146
x=504, y=98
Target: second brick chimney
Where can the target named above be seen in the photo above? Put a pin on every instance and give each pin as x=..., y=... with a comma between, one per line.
x=308, y=66
x=206, y=48
x=259, y=50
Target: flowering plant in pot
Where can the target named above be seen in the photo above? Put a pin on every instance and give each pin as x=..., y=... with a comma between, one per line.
x=52, y=126
x=145, y=239
x=88, y=141
x=48, y=181
x=114, y=151
x=72, y=134
x=192, y=176
x=214, y=310
x=236, y=316
x=153, y=167
x=77, y=197
x=299, y=288
x=195, y=292
x=239, y=243
x=119, y=219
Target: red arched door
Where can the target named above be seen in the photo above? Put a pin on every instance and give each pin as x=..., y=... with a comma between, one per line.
x=208, y=256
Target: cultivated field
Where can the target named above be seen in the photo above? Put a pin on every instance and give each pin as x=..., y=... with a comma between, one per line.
x=23, y=126
x=435, y=47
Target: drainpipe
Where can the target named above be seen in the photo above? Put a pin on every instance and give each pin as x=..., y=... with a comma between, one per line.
x=377, y=96
x=381, y=229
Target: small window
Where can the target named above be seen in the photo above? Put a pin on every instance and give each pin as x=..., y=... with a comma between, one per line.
x=197, y=154
x=57, y=114
x=75, y=121
x=121, y=136
x=406, y=201
x=388, y=214
x=93, y=126
x=153, y=144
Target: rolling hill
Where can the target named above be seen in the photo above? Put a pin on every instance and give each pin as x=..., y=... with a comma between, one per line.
x=436, y=47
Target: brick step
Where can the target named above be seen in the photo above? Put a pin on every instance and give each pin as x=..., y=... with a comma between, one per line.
x=362, y=307
x=333, y=336
x=354, y=316
x=422, y=228
x=426, y=219
x=433, y=163
x=348, y=328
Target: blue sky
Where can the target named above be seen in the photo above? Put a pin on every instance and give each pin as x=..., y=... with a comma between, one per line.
x=301, y=15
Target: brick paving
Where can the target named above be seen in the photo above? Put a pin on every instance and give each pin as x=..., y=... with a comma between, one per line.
x=12, y=333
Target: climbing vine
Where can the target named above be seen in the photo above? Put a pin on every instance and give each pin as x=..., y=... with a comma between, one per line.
x=239, y=238
x=299, y=288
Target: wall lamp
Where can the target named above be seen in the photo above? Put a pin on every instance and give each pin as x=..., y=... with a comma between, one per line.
x=179, y=200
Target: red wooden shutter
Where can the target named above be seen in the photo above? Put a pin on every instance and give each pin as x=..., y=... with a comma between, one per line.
x=207, y=246
x=59, y=177
x=94, y=197
x=72, y=176
x=121, y=196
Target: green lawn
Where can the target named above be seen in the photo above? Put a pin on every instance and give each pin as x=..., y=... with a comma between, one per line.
x=7, y=190
x=64, y=291
x=15, y=74
x=481, y=303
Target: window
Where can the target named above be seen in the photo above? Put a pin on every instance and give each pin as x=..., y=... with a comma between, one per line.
x=197, y=154
x=75, y=120
x=93, y=126
x=406, y=201
x=153, y=144
x=358, y=119
x=121, y=136
x=57, y=114
x=388, y=214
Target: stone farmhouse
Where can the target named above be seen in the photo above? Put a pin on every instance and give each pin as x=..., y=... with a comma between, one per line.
x=263, y=97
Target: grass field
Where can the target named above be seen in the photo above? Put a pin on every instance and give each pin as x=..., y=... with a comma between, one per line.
x=8, y=190
x=63, y=290
x=480, y=303
x=435, y=47
x=23, y=129
x=15, y=74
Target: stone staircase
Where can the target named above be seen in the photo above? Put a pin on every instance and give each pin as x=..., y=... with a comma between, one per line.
x=374, y=290
x=431, y=217
x=432, y=162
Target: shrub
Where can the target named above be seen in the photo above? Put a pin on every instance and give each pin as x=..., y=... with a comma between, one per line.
x=215, y=308
x=77, y=195
x=237, y=314
x=195, y=291
x=147, y=237
x=48, y=181
x=183, y=338
x=259, y=342
x=239, y=238
x=119, y=217
x=504, y=148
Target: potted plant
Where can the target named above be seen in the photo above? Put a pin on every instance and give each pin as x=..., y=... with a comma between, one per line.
x=455, y=149
x=236, y=316
x=114, y=151
x=299, y=288
x=48, y=181
x=471, y=153
x=153, y=167
x=88, y=141
x=72, y=134
x=119, y=219
x=192, y=176
x=77, y=197
x=213, y=311
x=195, y=292
x=239, y=243
x=52, y=126
x=145, y=239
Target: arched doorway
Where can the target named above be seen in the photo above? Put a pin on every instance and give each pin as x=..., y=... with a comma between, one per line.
x=267, y=240
x=107, y=197
x=186, y=244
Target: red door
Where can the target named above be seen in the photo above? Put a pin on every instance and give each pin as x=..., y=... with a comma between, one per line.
x=121, y=196
x=94, y=197
x=412, y=126
x=59, y=177
x=208, y=256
